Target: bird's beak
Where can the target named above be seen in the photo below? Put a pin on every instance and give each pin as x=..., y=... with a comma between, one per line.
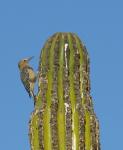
x=30, y=58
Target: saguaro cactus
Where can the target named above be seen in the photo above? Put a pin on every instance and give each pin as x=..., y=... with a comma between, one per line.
x=63, y=118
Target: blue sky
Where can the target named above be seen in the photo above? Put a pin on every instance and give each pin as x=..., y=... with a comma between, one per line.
x=24, y=27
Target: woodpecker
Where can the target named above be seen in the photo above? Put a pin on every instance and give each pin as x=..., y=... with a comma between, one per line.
x=27, y=75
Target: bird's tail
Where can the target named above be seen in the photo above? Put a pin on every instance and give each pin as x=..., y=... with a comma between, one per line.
x=33, y=96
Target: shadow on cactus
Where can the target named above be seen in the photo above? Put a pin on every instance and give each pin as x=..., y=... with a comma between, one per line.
x=63, y=116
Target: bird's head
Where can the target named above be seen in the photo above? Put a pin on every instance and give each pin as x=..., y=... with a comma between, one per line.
x=24, y=62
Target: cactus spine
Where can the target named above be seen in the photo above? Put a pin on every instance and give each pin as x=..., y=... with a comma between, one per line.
x=63, y=118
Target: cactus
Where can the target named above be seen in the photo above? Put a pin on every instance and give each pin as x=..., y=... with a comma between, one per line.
x=63, y=117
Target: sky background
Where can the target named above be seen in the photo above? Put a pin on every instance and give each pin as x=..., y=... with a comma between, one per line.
x=24, y=27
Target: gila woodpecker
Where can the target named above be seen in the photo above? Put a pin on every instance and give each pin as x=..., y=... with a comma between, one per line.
x=27, y=76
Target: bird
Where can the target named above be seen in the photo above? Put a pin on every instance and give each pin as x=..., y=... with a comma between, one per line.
x=27, y=76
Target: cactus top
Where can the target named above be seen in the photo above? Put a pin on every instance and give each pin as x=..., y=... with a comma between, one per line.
x=64, y=57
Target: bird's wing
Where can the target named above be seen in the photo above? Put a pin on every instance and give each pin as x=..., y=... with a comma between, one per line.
x=32, y=76
x=25, y=80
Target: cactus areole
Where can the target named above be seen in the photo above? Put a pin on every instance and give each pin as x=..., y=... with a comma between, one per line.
x=63, y=117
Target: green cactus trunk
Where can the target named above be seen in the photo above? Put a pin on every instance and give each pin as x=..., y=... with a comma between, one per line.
x=63, y=118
